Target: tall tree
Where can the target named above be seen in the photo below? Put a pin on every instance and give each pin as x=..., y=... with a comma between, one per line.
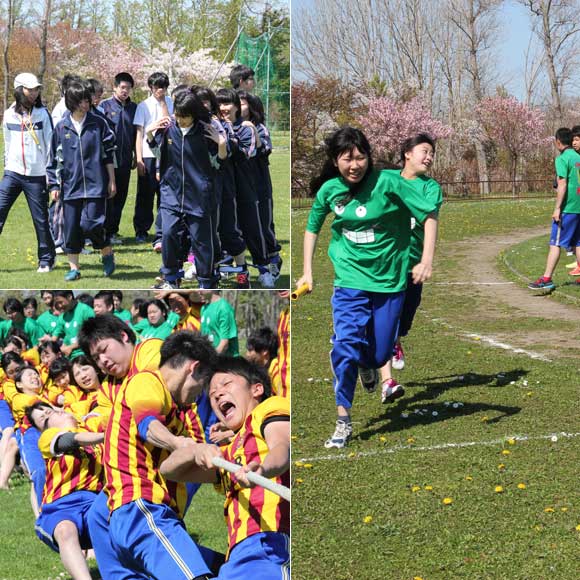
x=556, y=24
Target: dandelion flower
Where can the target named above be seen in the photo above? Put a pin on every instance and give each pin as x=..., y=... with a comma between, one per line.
x=411, y=440
x=501, y=466
x=428, y=488
x=498, y=489
x=549, y=510
x=468, y=478
x=299, y=464
x=368, y=519
x=308, y=465
x=521, y=486
x=299, y=480
x=447, y=501
x=382, y=438
x=415, y=488
x=505, y=452
x=511, y=441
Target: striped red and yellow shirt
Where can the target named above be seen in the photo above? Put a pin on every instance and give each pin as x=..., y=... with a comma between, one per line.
x=145, y=358
x=251, y=511
x=191, y=321
x=275, y=377
x=131, y=463
x=284, y=352
x=79, y=402
x=79, y=470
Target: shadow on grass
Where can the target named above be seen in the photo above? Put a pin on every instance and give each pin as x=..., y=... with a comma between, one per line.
x=421, y=405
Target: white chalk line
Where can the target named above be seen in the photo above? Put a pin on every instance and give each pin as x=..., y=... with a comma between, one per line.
x=439, y=447
x=493, y=342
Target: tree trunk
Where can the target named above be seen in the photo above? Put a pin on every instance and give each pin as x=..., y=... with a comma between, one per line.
x=549, y=54
x=6, y=64
x=514, y=169
x=43, y=39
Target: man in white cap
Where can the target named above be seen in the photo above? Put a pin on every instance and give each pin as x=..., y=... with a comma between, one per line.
x=27, y=133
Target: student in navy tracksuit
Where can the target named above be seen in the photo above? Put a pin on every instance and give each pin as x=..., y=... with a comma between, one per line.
x=189, y=149
x=27, y=128
x=253, y=110
x=244, y=143
x=81, y=173
x=120, y=111
x=230, y=235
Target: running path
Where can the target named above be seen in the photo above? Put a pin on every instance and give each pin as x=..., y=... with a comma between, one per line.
x=477, y=267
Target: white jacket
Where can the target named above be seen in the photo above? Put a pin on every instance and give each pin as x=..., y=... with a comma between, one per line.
x=22, y=153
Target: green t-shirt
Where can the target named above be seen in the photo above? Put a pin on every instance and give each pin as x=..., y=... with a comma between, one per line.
x=162, y=331
x=218, y=322
x=138, y=327
x=172, y=318
x=568, y=168
x=371, y=234
x=47, y=321
x=124, y=315
x=431, y=190
x=28, y=325
x=69, y=324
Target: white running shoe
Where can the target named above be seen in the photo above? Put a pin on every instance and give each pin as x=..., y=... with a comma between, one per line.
x=341, y=436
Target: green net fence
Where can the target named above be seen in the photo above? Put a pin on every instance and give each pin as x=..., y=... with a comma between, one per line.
x=259, y=54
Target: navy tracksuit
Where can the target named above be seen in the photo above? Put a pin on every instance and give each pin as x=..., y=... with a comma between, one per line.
x=245, y=170
x=264, y=184
x=120, y=116
x=188, y=165
x=230, y=234
x=77, y=167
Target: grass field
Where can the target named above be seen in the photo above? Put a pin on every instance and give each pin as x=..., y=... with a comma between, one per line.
x=137, y=264
x=472, y=474
x=24, y=557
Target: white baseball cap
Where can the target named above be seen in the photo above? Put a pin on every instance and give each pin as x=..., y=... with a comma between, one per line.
x=26, y=80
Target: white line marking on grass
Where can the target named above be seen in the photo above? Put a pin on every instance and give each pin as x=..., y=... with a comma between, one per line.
x=492, y=341
x=441, y=446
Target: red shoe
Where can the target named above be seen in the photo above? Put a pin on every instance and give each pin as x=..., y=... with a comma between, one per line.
x=575, y=271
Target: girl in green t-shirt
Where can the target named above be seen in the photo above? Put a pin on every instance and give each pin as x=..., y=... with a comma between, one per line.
x=369, y=249
x=417, y=155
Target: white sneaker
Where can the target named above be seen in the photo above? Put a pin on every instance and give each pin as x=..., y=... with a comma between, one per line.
x=191, y=271
x=398, y=360
x=59, y=250
x=391, y=391
x=266, y=279
x=341, y=436
x=44, y=269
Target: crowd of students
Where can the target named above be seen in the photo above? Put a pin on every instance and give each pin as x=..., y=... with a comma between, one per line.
x=203, y=155
x=117, y=414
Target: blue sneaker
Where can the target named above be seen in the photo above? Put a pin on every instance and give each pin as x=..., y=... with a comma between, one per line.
x=542, y=284
x=108, y=265
x=141, y=238
x=72, y=275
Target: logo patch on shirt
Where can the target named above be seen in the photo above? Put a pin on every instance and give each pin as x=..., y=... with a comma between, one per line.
x=361, y=211
x=170, y=141
x=67, y=135
x=338, y=209
x=113, y=113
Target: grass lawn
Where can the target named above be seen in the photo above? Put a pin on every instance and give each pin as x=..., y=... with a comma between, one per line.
x=24, y=557
x=472, y=473
x=137, y=264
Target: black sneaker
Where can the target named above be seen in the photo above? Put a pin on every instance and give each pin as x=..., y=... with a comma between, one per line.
x=368, y=379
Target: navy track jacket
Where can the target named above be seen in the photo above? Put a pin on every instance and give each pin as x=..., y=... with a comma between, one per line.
x=77, y=163
x=187, y=166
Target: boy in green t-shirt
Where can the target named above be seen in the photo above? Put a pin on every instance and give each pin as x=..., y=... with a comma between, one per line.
x=73, y=314
x=566, y=215
x=218, y=323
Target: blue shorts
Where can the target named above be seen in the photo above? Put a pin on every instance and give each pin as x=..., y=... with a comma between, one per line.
x=151, y=539
x=6, y=418
x=566, y=233
x=264, y=556
x=72, y=507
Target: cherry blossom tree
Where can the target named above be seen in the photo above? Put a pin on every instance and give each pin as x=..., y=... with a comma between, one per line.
x=182, y=67
x=388, y=122
x=513, y=126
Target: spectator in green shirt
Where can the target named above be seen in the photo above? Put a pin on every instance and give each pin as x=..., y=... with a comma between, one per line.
x=74, y=313
x=16, y=319
x=218, y=322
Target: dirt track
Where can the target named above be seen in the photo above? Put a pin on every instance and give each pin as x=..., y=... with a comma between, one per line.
x=478, y=264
